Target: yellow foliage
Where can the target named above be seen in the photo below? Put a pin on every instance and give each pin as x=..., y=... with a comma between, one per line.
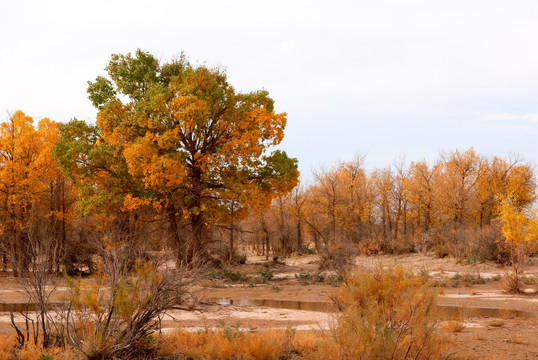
x=223, y=344
x=518, y=228
x=386, y=314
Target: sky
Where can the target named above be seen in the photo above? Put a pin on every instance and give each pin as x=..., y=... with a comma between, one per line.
x=383, y=78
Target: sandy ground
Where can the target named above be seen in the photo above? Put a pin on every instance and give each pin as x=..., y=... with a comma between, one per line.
x=481, y=338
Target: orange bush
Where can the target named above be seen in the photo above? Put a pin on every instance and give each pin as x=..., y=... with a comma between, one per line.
x=7, y=344
x=229, y=344
x=384, y=315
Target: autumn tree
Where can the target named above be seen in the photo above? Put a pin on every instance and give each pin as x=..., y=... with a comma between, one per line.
x=449, y=206
x=180, y=139
x=298, y=206
x=420, y=186
x=383, y=184
x=520, y=231
x=456, y=187
x=504, y=176
x=339, y=204
x=34, y=198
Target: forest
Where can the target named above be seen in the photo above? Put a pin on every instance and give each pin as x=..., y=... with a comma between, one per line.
x=179, y=168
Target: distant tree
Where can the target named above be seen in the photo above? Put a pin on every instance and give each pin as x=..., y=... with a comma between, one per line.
x=420, y=187
x=179, y=138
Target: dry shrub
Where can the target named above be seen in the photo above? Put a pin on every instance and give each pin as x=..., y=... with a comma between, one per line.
x=7, y=345
x=385, y=315
x=114, y=314
x=37, y=352
x=339, y=258
x=496, y=323
x=510, y=283
x=453, y=326
x=486, y=242
x=235, y=344
x=516, y=339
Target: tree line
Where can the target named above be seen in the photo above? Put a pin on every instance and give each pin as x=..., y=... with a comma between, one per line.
x=179, y=161
x=451, y=206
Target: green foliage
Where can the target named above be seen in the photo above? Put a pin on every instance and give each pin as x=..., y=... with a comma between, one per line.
x=304, y=277
x=306, y=250
x=177, y=139
x=331, y=279
x=263, y=276
x=96, y=169
x=231, y=332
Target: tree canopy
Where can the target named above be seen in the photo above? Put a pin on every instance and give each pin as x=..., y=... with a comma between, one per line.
x=179, y=138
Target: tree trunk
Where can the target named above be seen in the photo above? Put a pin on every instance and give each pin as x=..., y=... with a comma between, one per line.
x=174, y=234
x=299, y=236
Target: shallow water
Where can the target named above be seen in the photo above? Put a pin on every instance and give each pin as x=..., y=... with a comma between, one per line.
x=22, y=307
x=448, y=311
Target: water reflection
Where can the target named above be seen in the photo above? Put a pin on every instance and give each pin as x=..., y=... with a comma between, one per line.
x=280, y=304
x=448, y=311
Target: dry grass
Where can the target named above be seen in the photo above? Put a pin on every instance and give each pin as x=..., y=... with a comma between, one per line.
x=496, y=323
x=453, y=326
x=10, y=351
x=7, y=344
x=233, y=344
x=516, y=339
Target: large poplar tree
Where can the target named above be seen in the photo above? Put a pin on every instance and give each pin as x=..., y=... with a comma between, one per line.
x=177, y=137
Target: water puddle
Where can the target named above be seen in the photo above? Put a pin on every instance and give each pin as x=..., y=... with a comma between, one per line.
x=279, y=304
x=446, y=311
x=22, y=307
x=467, y=312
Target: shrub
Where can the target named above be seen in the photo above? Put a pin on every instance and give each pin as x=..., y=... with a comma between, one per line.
x=454, y=326
x=240, y=259
x=232, y=343
x=339, y=258
x=7, y=345
x=306, y=250
x=385, y=315
x=496, y=323
x=304, y=277
x=486, y=243
x=330, y=279
x=510, y=283
x=516, y=339
x=264, y=275
x=224, y=274
x=115, y=313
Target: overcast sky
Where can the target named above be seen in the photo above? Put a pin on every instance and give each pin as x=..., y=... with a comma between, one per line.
x=386, y=78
